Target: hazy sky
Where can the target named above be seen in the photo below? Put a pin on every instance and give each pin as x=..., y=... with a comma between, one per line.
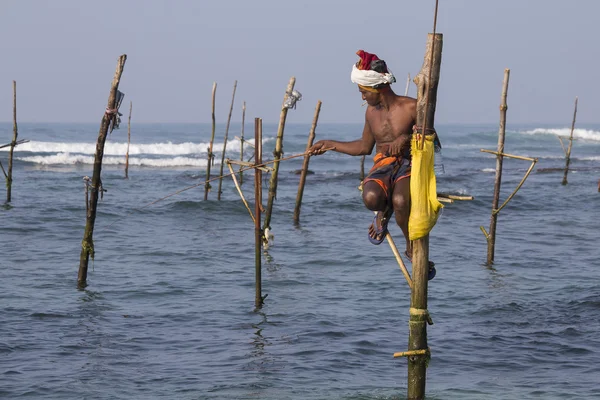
x=63, y=54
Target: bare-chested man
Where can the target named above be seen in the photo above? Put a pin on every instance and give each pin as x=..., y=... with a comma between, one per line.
x=389, y=122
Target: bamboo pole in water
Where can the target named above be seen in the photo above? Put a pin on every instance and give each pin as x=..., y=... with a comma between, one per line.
x=277, y=153
x=128, y=141
x=242, y=142
x=568, y=161
x=12, y=146
x=427, y=84
x=258, y=233
x=225, y=141
x=87, y=245
x=211, y=156
x=491, y=238
x=311, y=138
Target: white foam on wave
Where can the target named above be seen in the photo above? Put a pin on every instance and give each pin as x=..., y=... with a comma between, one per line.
x=585, y=134
x=74, y=159
x=120, y=149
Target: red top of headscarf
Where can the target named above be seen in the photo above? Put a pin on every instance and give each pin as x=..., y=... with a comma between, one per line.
x=365, y=60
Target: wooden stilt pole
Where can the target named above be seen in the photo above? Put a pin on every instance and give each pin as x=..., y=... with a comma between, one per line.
x=87, y=245
x=225, y=141
x=311, y=138
x=277, y=153
x=258, y=233
x=128, y=141
x=407, y=82
x=12, y=146
x=491, y=237
x=242, y=142
x=362, y=169
x=568, y=155
x=211, y=156
x=427, y=84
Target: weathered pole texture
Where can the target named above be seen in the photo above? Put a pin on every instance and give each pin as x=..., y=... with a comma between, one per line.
x=111, y=113
x=225, y=141
x=12, y=146
x=258, y=299
x=427, y=84
x=277, y=153
x=311, y=138
x=491, y=238
x=564, y=181
x=128, y=141
x=242, y=142
x=211, y=156
x=362, y=169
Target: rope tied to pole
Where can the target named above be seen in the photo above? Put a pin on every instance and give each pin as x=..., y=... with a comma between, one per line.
x=292, y=98
x=112, y=114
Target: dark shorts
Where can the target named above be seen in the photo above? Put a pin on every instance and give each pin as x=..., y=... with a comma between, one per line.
x=388, y=170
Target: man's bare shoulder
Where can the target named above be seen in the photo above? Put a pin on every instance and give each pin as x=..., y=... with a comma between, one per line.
x=405, y=101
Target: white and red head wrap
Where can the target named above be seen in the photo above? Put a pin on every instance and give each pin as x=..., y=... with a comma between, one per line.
x=370, y=72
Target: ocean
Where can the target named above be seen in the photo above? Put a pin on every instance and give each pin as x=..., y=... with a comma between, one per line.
x=169, y=307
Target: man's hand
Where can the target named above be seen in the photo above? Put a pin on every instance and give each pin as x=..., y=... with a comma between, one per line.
x=396, y=147
x=319, y=148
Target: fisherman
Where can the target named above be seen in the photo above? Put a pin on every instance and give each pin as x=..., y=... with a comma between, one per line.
x=389, y=123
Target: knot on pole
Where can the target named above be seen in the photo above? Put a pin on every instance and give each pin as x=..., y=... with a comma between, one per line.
x=292, y=98
x=503, y=107
x=418, y=315
x=112, y=114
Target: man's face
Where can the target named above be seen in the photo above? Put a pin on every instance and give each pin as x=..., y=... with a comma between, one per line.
x=371, y=98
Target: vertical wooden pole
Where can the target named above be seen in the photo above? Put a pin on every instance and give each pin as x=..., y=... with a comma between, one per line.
x=277, y=153
x=311, y=138
x=407, y=82
x=568, y=161
x=12, y=146
x=87, y=245
x=362, y=169
x=258, y=299
x=225, y=142
x=128, y=141
x=211, y=156
x=491, y=238
x=427, y=84
x=242, y=142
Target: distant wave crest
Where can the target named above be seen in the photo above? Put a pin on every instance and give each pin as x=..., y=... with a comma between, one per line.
x=586, y=134
x=166, y=154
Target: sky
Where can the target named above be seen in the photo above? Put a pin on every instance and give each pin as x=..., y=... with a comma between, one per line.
x=63, y=55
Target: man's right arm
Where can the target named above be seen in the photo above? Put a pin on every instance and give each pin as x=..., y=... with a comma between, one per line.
x=358, y=147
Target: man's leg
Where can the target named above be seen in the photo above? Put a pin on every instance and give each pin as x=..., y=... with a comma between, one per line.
x=375, y=199
x=401, y=204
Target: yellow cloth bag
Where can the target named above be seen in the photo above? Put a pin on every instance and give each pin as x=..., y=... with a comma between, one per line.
x=424, y=205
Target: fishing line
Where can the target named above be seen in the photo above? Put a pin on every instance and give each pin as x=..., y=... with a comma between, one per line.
x=210, y=180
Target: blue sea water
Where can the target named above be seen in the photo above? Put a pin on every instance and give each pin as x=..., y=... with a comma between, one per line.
x=169, y=307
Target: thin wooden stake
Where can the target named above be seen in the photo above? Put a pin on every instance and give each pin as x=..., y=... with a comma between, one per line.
x=258, y=233
x=87, y=245
x=242, y=142
x=277, y=153
x=491, y=242
x=12, y=146
x=211, y=156
x=239, y=189
x=311, y=138
x=407, y=83
x=427, y=84
x=568, y=161
x=225, y=141
x=128, y=141
x=362, y=170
